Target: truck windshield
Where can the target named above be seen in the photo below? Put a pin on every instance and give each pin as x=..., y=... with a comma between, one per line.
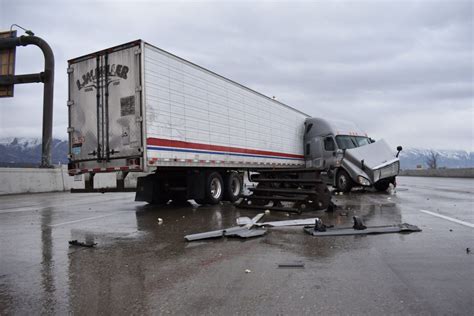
x=348, y=141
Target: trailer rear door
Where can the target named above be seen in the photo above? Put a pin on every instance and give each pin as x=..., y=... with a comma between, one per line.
x=105, y=105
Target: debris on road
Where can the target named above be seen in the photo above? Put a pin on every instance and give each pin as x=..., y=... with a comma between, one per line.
x=468, y=250
x=358, y=223
x=160, y=221
x=244, y=231
x=292, y=222
x=82, y=244
x=247, y=271
x=359, y=228
x=296, y=264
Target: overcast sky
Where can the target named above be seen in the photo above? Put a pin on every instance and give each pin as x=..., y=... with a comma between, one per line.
x=402, y=70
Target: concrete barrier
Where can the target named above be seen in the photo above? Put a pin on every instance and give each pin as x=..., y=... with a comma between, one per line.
x=448, y=173
x=33, y=180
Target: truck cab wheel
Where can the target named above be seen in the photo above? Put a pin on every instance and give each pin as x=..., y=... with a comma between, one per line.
x=214, y=189
x=344, y=182
x=232, y=186
x=381, y=185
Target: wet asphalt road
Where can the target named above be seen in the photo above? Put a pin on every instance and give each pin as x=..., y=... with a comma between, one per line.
x=142, y=267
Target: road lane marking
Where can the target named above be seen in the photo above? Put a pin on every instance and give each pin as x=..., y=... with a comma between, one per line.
x=449, y=218
x=81, y=220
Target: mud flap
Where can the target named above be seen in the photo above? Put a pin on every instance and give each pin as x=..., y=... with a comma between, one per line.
x=145, y=189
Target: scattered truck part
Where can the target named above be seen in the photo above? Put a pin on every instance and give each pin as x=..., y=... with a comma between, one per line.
x=291, y=222
x=82, y=244
x=296, y=264
x=358, y=229
x=243, y=231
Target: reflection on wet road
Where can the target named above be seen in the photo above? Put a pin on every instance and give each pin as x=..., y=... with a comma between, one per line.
x=141, y=266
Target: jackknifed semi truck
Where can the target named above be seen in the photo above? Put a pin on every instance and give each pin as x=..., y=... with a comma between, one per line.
x=193, y=133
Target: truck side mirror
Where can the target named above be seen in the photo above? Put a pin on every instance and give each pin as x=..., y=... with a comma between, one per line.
x=399, y=149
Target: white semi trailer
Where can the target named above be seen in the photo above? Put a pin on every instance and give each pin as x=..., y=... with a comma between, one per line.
x=137, y=108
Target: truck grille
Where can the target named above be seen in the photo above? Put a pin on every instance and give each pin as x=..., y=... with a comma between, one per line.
x=390, y=170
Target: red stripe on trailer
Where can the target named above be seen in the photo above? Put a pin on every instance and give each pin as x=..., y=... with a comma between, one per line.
x=189, y=145
x=124, y=168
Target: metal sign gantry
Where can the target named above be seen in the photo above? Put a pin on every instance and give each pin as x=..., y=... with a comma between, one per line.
x=8, y=43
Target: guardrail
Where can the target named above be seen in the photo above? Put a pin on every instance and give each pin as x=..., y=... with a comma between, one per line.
x=448, y=173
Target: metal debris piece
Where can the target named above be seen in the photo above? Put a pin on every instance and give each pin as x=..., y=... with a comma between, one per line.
x=236, y=231
x=296, y=264
x=246, y=233
x=358, y=223
x=400, y=228
x=82, y=244
x=206, y=235
x=291, y=222
x=243, y=220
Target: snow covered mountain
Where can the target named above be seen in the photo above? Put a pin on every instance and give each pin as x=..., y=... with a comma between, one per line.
x=412, y=157
x=21, y=151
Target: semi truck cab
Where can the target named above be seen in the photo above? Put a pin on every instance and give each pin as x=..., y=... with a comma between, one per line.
x=347, y=156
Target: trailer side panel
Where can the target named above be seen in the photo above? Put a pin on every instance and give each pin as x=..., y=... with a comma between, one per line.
x=197, y=118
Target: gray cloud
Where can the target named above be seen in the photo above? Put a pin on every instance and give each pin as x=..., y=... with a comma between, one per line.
x=402, y=70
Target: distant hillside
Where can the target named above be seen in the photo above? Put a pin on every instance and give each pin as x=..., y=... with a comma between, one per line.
x=412, y=157
x=26, y=152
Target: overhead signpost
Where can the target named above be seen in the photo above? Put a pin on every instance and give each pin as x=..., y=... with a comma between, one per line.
x=7, y=65
x=8, y=43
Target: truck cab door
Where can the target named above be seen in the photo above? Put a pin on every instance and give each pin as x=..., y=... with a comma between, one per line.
x=329, y=152
x=313, y=153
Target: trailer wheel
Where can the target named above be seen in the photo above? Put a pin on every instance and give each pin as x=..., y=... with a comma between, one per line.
x=214, y=189
x=344, y=182
x=232, y=186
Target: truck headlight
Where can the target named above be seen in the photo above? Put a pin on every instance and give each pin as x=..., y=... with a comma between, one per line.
x=363, y=181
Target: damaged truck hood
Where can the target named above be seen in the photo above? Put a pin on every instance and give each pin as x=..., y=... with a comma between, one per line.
x=375, y=155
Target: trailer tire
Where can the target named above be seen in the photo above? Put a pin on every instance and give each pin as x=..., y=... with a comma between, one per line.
x=344, y=182
x=214, y=191
x=232, y=186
